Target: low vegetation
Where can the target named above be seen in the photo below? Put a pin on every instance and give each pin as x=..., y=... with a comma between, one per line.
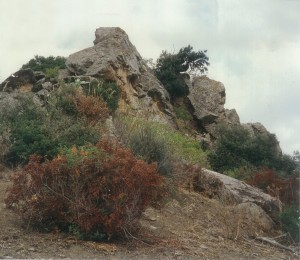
x=49, y=65
x=69, y=118
x=74, y=180
x=159, y=143
x=255, y=159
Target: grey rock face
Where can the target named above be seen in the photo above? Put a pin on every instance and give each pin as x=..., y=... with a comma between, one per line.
x=233, y=191
x=232, y=116
x=112, y=50
x=208, y=97
x=8, y=100
x=113, y=57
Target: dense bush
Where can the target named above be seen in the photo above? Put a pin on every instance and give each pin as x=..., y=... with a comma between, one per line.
x=68, y=118
x=108, y=91
x=169, y=68
x=29, y=137
x=52, y=72
x=72, y=101
x=75, y=132
x=94, y=191
x=94, y=109
x=236, y=147
x=287, y=190
x=290, y=219
x=27, y=134
x=49, y=65
x=144, y=141
x=62, y=100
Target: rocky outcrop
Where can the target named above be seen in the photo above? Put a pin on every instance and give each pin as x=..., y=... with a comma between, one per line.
x=233, y=191
x=207, y=98
x=255, y=128
x=258, y=128
x=22, y=80
x=26, y=80
x=114, y=58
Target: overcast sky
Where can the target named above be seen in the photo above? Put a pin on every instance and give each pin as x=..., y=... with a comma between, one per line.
x=253, y=45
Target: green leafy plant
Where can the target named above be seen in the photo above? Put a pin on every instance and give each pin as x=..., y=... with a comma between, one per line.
x=27, y=134
x=169, y=68
x=52, y=72
x=182, y=113
x=108, y=91
x=290, y=219
x=49, y=65
x=68, y=118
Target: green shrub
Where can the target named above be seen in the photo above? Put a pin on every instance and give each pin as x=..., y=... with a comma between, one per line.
x=186, y=148
x=146, y=143
x=169, y=68
x=29, y=137
x=77, y=132
x=95, y=192
x=290, y=219
x=52, y=72
x=63, y=100
x=156, y=142
x=236, y=147
x=109, y=91
x=48, y=65
x=27, y=134
x=242, y=173
x=68, y=118
x=182, y=113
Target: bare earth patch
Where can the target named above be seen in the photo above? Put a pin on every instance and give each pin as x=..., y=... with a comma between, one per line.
x=190, y=226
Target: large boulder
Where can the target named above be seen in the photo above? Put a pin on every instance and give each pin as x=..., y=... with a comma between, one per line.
x=207, y=98
x=21, y=80
x=114, y=58
x=233, y=191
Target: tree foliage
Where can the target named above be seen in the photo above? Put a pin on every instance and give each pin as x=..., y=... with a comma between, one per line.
x=169, y=68
x=48, y=65
x=236, y=147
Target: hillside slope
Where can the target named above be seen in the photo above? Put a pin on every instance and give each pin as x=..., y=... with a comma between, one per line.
x=188, y=227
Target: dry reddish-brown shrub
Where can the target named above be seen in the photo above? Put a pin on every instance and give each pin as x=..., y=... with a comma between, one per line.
x=287, y=190
x=99, y=189
x=92, y=107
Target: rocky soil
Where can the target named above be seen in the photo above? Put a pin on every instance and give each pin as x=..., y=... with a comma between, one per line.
x=189, y=226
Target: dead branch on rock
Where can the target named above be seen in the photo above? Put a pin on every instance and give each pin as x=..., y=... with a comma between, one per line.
x=275, y=243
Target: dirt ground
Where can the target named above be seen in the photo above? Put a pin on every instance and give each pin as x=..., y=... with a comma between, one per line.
x=189, y=226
